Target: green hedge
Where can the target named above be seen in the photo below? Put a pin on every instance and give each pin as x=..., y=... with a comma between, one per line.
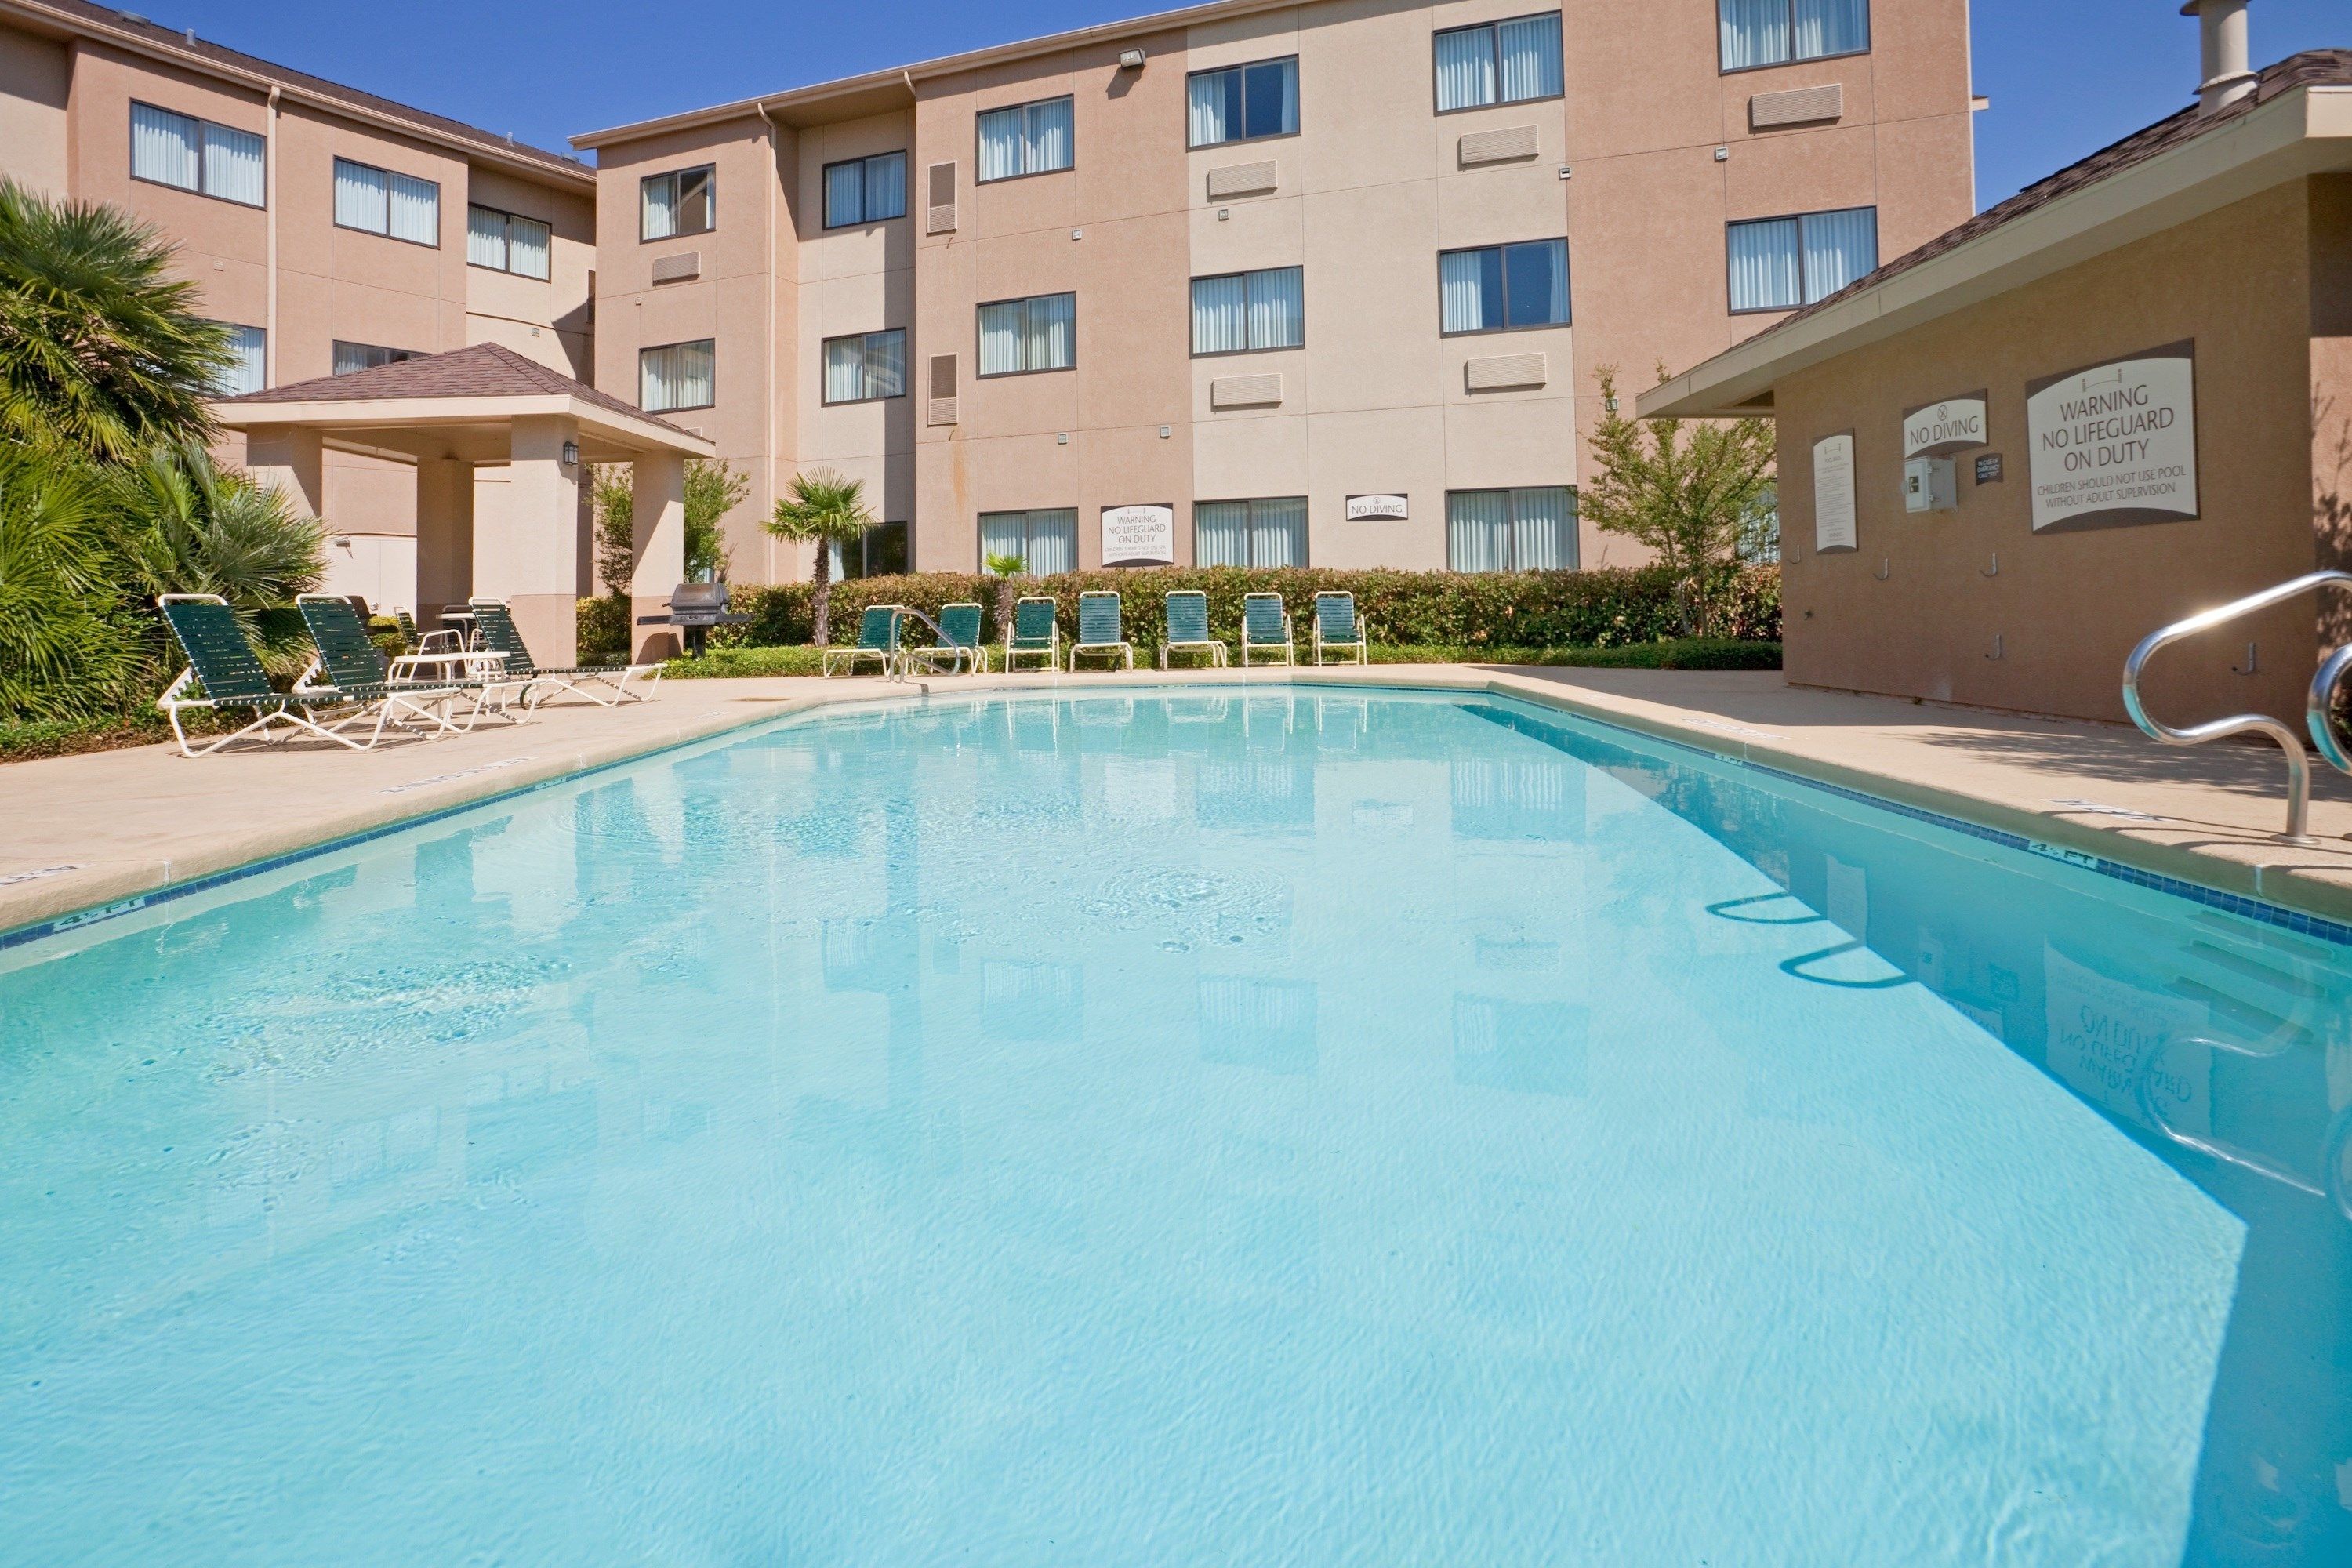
x=1685, y=653
x=1505, y=609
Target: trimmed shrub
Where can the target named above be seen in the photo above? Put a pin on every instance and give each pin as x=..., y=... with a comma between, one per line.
x=1471, y=611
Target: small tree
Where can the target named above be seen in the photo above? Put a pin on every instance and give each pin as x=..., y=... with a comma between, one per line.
x=824, y=509
x=1694, y=495
x=712, y=490
x=1006, y=568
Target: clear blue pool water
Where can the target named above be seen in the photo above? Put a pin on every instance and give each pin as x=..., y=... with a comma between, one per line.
x=1170, y=1128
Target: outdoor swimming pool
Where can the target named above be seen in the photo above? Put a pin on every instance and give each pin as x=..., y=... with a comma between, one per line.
x=1171, y=1126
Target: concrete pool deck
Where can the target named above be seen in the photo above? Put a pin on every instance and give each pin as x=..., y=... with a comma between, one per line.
x=85, y=832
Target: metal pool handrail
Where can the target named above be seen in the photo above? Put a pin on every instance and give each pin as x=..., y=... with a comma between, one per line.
x=2298, y=763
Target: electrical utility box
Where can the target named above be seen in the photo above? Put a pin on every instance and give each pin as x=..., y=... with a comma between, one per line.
x=1930, y=484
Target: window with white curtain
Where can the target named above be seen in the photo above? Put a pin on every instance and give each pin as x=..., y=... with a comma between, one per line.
x=1269, y=532
x=1501, y=62
x=865, y=366
x=681, y=202
x=194, y=155
x=351, y=358
x=1021, y=335
x=675, y=376
x=1774, y=32
x=248, y=370
x=1240, y=312
x=1531, y=530
x=866, y=190
x=1026, y=139
x=1242, y=103
x=506, y=242
x=379, y=201
x=1045, y=541
x=1780, y=263
x=879, y=552
x=1503, y=287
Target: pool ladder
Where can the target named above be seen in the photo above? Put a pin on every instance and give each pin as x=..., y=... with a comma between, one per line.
x=2316, y=719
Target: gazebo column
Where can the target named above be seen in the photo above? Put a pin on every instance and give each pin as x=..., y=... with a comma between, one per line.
x=444, y=534
x=532, y=559
x=657, y=545
x=293, y=460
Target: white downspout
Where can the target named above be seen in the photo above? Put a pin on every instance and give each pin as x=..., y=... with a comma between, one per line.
x=270, y=200
x=775, y=176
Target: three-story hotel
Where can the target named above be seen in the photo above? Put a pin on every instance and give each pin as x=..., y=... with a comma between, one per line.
x=1325, y=284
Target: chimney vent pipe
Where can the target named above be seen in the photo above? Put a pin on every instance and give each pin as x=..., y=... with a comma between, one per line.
x=2222, y=58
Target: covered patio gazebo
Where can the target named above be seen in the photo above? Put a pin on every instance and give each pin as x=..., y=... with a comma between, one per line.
x=488, y=404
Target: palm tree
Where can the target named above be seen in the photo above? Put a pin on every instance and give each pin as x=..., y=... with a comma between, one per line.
x=100, y=347
x=185, y=525
x=64, y=650
x=824, y=508
x=1006, y=568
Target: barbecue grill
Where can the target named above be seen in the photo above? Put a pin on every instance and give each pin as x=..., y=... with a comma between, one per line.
x=693, y=609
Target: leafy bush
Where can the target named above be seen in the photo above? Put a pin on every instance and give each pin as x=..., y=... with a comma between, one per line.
x=66, y=651
x=1471, y=611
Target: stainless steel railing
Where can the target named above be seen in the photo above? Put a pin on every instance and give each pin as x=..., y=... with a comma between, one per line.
x=2316, y=710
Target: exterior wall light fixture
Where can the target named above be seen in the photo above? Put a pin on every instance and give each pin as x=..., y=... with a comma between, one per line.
x=572, y=454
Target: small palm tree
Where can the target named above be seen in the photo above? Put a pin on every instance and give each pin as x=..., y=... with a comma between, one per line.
x=65, y=650
x=1006, y=568
x=100, y=347
x=186, y=525
x=824, y=508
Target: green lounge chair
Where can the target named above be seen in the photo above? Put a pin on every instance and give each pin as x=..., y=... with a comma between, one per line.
x=959, y=643
x=1336, y=626
x=1098, y=628
x=223, y=665
x=444, y=640
x=1034, y=634
x=348, y=659
x=1266, y=629
x=1188, y=628
x=494, y=631
x=878, y=638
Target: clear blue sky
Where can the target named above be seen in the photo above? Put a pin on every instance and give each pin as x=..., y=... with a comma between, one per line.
x=2065, y=77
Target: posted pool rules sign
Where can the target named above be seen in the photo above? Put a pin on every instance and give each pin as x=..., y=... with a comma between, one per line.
x=2115, y=443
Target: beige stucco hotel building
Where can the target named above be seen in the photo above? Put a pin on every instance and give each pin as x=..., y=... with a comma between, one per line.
x=1319, y=284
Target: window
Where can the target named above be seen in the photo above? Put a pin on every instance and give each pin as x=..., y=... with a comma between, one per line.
x=1242, y=103
x=1026, y=139
x=675, y=376
x=1046, y=542
x=676, y=203
x=1503, y=287
x=249, y=358
x=866, y=190
x=865, y=366
x=1780, y=263
x=1021, y=335
x=506, y=243
x=353, y=357
x=1773, y=32
x=378, y=201
x=194, y=155
x=1243, y=310
x=1502, y=62
x=879, y=552
x=1250, y=533
x=1511, y=530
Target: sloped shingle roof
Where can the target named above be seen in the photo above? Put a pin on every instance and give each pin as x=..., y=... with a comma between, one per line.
x=485, y=370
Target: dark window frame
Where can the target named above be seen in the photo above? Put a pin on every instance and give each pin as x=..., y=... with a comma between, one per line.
x=980, y=375
x=824, y=401
x=1869, y=36
x=1245, y=273
x=1798, y=217
x=1299, y=90
x=865, y=542
x=1495, y=27
x=1570, y=292
x=1575, y=522
x=472, y=206
x=132, y=158
x=392, y=355
x=710, y=203
x=825, y=191
x=979, y=179
x=385, y=232
x=680, y=407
